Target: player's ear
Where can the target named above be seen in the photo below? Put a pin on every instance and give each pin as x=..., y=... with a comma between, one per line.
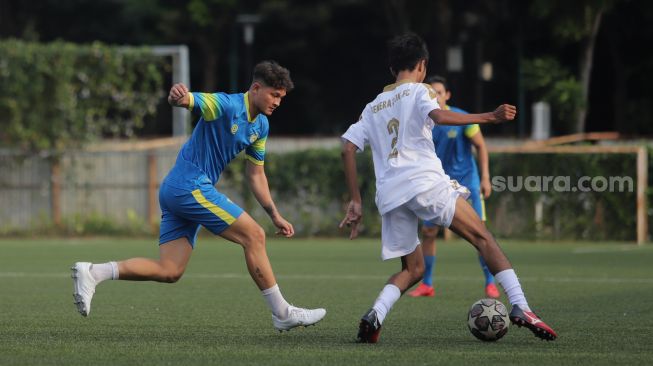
x=255, y=87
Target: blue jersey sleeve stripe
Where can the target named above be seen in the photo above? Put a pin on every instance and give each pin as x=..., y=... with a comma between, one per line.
x=256, y=151
x=191, y=102
x=207, y=104
x=255, y=160
x=472, y=130
x=259, y=145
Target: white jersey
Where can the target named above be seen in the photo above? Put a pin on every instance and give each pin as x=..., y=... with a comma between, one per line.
x=398, y=128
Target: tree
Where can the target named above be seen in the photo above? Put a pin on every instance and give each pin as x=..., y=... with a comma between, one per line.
x=576, y=22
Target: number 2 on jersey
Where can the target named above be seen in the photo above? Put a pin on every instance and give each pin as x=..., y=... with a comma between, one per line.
x=393, y=129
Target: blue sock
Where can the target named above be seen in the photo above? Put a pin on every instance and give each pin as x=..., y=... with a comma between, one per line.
x=486, y=271
x=429, y=264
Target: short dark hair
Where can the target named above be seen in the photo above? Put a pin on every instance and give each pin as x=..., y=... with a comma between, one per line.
x=437, y=79
x=272, y=74
x=405, y=51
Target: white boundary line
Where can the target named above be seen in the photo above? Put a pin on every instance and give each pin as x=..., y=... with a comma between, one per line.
x=602, y=280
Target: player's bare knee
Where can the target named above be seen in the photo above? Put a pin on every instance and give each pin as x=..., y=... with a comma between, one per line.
x=172, y=277
x=255, y=238
x=483, y=239
x=171, y=274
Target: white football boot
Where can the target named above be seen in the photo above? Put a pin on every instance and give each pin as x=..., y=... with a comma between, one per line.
x=298, y=317
x=84, y=287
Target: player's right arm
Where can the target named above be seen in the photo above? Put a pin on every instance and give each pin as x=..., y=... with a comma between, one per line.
x=504, y=112
x=354, y=213
x=210, y=106
x=179, y=96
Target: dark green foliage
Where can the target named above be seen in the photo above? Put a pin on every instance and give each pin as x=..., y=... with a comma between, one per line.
x=309, y=186
x=567, y=214
x=61, y=95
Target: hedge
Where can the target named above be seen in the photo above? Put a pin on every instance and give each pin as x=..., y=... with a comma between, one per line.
x=309, y=188
x=59, y=95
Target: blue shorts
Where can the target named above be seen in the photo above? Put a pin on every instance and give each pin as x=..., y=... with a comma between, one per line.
x=476, y=200
x=185, y=208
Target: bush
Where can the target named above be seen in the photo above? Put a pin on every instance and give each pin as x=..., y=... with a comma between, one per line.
x=60, y=95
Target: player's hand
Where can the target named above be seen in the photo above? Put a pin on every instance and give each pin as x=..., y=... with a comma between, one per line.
x=505, y=112
x=285, y=228
x=177, y=93
x=353, y=217
x=486, y=188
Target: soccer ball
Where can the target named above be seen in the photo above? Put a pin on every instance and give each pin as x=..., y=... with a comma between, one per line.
x=488, y=320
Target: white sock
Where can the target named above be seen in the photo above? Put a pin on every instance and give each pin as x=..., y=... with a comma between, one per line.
x=387, y=298
x=104, y=271
x=508, y=280
x=276, y=302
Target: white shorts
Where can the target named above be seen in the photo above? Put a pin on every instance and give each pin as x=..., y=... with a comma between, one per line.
x=399, y=236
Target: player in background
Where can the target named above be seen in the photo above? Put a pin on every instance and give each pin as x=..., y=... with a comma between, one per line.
x=453, y=146
x=412, y=185
x=229, y=124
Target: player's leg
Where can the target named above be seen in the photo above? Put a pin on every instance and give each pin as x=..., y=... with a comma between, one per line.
x=249, y=234
x=429, y=233
x=468, y=225
x=223, y=217
x=399, y=237
x=177, y=236
x=477, y=202
x=171, y=265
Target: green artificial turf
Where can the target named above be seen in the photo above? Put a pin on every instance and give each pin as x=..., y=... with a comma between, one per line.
x=597, y=296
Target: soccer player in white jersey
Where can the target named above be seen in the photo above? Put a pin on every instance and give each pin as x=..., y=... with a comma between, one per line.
x=411, y=185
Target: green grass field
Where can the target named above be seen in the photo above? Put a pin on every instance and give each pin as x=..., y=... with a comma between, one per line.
x=598, y=297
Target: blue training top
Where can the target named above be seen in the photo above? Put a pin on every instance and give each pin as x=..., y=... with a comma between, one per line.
x=453, y=145
x=225, y=129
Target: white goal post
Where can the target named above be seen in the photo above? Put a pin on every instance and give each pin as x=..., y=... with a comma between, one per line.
x=180, y=74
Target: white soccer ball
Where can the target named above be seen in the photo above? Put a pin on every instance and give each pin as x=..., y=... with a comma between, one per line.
x=488, y=320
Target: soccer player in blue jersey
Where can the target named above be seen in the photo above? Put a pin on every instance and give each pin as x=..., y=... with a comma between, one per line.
x=453, y=145
x=229, y=124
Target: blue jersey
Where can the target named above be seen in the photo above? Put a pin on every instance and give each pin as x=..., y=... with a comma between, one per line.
x=453, y=146
x=225, y=129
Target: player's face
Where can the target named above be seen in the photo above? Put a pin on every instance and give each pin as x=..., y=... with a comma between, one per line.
x=442, y=94
x=267, y=98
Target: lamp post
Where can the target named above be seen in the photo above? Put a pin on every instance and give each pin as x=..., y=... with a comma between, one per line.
x=248, y=23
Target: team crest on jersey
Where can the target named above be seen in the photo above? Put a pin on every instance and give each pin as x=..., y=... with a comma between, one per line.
x=452, y=134
x=253, y=138
x=234, y=129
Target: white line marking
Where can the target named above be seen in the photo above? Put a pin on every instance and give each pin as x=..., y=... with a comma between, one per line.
x=352, y=277
x=606, y=249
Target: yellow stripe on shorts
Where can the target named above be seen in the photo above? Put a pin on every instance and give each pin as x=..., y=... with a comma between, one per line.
x=222, y=214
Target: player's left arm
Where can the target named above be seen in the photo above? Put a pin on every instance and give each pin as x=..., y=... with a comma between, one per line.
x=504, y=112
x=476, y=137
x=258, y=183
